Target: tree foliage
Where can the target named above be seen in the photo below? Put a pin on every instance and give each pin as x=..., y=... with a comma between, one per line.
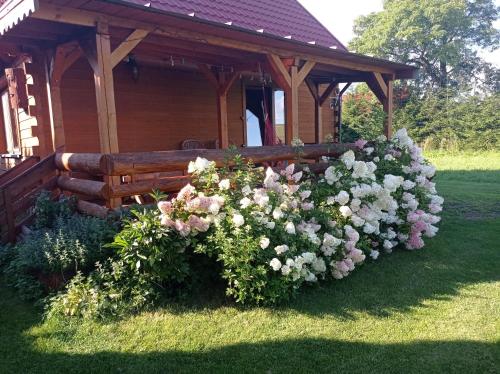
x=436, y=121
x=441, y=37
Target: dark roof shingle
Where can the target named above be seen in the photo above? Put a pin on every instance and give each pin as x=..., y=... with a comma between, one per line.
x=277, y=17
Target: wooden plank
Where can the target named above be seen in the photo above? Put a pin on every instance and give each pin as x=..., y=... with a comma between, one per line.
x=18, y=169
x=42, y=170
x=9, y=214
x=127, y=46
x=27, y=201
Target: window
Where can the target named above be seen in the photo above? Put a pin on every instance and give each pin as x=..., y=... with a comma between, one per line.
x=279, y=114
x=254, y=138
x=10, y=127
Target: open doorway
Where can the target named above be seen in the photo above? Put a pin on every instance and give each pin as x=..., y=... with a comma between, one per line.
x=260, y=100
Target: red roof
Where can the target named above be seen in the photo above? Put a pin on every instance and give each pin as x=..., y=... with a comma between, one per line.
x=283, y=18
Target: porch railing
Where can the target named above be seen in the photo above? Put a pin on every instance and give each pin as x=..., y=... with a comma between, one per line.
x=18, y=192
x=98, y=178
x=86, y=168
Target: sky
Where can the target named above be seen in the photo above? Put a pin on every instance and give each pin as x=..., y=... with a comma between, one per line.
x=339, y=15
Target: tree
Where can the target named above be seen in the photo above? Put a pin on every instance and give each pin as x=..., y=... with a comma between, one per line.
x=362, y=114
x=442, y=37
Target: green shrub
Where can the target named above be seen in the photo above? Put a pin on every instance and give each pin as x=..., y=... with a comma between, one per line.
x=61, y=244
x=47, y=210
x=150, y=260
x=111, y=290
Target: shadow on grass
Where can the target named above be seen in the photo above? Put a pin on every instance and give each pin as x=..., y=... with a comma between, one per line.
x=288, y=356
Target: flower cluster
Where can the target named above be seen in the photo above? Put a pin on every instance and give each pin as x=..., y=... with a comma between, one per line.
x=279, y=229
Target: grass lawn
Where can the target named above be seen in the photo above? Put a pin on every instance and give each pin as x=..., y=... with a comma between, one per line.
x=435, y=310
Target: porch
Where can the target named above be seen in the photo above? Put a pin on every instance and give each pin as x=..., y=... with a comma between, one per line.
x=115, y=89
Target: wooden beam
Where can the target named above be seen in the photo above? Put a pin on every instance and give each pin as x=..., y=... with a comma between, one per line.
x=127, y=46
x=37, y=69
x=210, y=75
x=227, y=83
x=105, y=96
x=222, y=120
x=89, y=19
x=380, y=81
x=292, y=107
x=290, y=82
x=222, y=83
x=279, y=71
x=305, y=70
x=388, y=109
x=331, y=87
x=64, y=57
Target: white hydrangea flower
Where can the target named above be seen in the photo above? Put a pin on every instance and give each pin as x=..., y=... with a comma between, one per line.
x=319, y=265
x=200, y=165
x=245, y=202
x=290, y=228
x=285, y=270
x=264, y=243
x=348, y=159
x=345, y=211
x=342, y=197
x=238, y=220
x=224, y=184
x=275, y=264
x=280, y=249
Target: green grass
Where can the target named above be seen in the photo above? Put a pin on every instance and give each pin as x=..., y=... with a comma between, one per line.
x=434, y=310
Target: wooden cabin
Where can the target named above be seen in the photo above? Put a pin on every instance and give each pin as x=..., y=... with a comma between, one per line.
x=94, y=79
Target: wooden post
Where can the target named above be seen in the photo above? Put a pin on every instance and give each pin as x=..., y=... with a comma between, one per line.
x=383, y=90
x=388, y=109
x=105, y=92
x=222, y=83
x=318, y=120
x=64, y=57
x=222, y=120
x=290, y=81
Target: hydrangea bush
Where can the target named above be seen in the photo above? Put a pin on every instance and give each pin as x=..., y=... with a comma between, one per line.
x=276, y=230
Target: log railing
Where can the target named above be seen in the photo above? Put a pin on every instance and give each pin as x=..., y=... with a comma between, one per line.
x=95, y=165
x=17, y=195
x=85, y=174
